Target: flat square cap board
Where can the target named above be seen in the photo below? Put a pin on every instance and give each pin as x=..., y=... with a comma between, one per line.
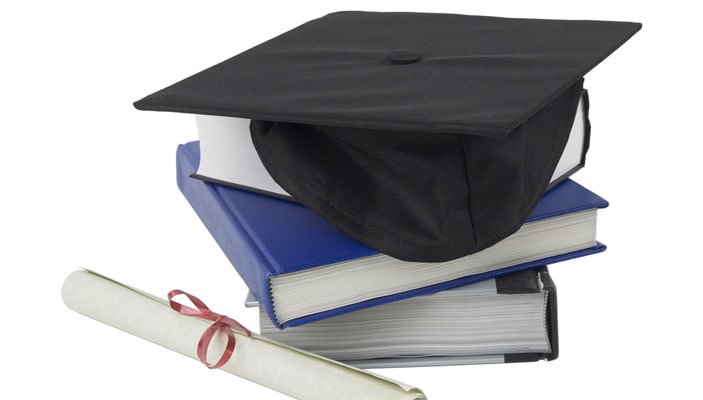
x=425, y=136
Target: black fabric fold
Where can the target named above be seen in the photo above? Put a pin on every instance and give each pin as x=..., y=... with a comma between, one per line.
x=419, y=196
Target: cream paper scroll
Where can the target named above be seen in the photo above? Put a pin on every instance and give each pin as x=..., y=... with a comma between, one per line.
x=291, y=371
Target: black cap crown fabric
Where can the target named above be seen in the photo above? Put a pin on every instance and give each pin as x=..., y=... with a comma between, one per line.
x=426, y=136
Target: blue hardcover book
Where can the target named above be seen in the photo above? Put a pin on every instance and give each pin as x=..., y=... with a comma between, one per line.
x=303, y=269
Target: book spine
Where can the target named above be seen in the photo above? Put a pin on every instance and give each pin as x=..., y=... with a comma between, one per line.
x=552, y=321
x=526, y=281
x=516, y=284
x=227, y=231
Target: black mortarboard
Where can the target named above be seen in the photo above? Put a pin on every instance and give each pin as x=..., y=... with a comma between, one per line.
x=425, y=136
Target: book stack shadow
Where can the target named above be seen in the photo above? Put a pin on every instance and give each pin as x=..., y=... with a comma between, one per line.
x=394, y=200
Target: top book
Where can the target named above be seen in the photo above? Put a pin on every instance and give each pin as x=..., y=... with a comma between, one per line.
x=425, y=136
x=228, y=156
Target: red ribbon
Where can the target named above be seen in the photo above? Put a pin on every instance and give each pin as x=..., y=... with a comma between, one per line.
x=221, y=322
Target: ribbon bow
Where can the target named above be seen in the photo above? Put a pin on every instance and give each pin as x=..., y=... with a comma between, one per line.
x=220, y=322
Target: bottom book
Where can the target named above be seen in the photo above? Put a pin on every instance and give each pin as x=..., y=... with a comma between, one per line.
x=512, y=318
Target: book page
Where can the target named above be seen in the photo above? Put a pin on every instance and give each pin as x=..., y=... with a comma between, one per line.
x=573, y=152
x=227, y=154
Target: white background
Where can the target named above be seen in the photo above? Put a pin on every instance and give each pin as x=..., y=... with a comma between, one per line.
x=88, y=181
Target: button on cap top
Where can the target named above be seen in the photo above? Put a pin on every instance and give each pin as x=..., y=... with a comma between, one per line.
x=404, y=56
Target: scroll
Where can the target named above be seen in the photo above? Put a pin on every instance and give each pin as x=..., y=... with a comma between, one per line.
x=288, y=370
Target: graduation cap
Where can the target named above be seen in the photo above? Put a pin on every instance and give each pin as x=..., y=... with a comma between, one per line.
x=425, y=136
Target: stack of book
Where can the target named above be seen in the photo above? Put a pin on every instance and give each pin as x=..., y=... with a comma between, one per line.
x=341, y=299
x=386, y=208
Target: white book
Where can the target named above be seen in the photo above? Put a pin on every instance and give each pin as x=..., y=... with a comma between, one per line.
x=228, y=156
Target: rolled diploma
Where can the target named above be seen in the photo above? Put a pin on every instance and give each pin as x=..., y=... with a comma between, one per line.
x=291, y=371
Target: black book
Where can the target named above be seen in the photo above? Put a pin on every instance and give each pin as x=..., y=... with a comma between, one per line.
x=507, y=319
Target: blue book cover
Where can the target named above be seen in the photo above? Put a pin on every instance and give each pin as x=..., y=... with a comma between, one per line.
x=267, y=238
